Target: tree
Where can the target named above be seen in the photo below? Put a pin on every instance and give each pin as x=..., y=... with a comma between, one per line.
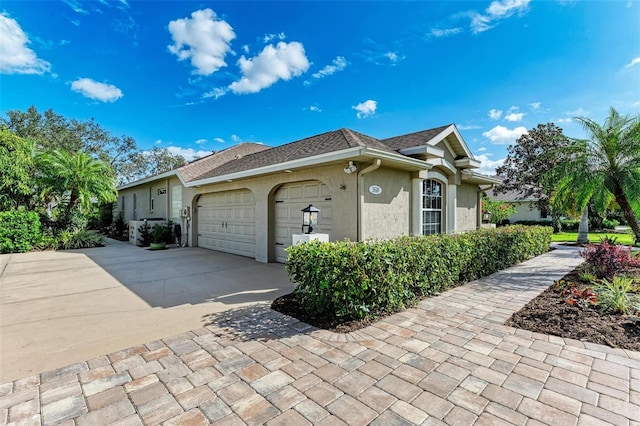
x=148, y=163
x=17, y=163
x=76, y=179
x=528, y=161
x=499, y=210
x=52, y=131
x=605, y=165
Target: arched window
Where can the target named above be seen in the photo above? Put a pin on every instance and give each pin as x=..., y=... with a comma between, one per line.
x=431, y=207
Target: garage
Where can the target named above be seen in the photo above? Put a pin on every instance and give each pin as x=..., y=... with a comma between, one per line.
x=226, y=222
x=290, y=199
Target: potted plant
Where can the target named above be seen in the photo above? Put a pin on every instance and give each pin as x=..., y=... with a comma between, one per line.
x=159, y=237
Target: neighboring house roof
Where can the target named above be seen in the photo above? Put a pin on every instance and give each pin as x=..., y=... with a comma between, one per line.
x=250, y=159
x=511, y=196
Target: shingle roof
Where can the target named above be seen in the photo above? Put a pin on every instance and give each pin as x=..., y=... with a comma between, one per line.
x=315, y=145
x=413, y=139
x=194, y=171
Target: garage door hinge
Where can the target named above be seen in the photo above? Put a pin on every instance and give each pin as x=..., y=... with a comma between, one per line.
x=279, y=244
x=328, y=199
x=279, y=201
x=199, y=206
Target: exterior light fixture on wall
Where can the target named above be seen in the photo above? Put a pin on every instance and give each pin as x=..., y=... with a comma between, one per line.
x=351, y=168
x=309, y=218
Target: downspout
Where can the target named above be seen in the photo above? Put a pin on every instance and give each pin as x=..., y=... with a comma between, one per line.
x=360, y=189
x=167, y=210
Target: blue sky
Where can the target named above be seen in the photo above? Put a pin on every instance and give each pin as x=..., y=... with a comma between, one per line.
x=200, y=76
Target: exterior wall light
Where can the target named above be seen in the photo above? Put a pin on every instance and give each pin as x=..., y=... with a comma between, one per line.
x=486, y=217
x=309, y=218
x=351, y=168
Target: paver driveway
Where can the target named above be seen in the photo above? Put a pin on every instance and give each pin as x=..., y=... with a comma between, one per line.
x=448, y=361
x=61, y=307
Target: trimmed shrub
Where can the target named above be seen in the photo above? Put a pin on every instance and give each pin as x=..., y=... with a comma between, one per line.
x=364, y=280
x=19, y=231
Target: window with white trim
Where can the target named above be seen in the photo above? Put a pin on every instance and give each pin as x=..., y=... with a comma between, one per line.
x=431, y=207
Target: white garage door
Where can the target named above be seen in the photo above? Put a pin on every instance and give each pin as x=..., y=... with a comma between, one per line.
x=226, y=222
x=290, y=199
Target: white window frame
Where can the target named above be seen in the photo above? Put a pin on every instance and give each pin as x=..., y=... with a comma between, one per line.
x=432, y=207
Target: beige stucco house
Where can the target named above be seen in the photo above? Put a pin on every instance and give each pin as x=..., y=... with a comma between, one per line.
x=247, y=199
x=527, y=209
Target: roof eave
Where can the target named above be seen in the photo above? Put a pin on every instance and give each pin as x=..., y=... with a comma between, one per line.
x=150, y=179
x=477, y=178
x=316, y=160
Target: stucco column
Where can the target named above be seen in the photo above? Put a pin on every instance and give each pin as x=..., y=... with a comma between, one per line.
x=416, y=206
x=452, y=206
x=262, y=224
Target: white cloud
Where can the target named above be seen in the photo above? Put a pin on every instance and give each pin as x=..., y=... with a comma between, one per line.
x=633, y=62
x=497, y=10
x=235, y=138
x=282, y=62
x=564, y=120
x=188, y=153
x=488, y=166
x=467, y=127
x=203, y=39
x=15, y=56
x=268, y=37
x=514, y=116
x=158, y=142
x=500, y=135
x=482, y=149
x=495, y=114
x=365, y=108
x=96, y=90
x=314, y=108
x=215, y=93
x=338, y=64
x=245, y=48
x=201, y=141
x=219, y=140
x=446, y=32
x=535, y=106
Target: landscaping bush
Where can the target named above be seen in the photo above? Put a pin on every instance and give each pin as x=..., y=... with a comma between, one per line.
x=20, y=231
x=610, y=223
x=570, y=225
x=363, y=280
x=79, y=238
x=606, y=259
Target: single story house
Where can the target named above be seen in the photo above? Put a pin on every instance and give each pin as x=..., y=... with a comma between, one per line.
x=526, y=207
x=247, y=199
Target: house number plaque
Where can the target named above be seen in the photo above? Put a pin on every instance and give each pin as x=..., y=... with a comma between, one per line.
x=375, y=190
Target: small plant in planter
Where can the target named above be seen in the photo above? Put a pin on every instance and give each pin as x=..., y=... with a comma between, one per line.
x=160, y=236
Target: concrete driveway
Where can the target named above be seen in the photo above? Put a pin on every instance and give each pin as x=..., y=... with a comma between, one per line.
x=57, y=308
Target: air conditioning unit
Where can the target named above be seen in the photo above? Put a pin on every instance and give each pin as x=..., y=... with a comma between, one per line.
x=134, y=229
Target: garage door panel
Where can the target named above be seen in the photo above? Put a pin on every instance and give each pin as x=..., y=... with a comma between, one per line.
x=226, y=222
x=290, y=200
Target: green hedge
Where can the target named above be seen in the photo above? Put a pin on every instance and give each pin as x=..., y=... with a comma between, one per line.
x=363, y=280
x=19, y=231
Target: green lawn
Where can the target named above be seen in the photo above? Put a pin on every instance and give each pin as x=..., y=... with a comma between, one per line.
x=572, y=237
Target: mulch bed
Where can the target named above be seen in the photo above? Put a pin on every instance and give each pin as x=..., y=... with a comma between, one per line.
x=548, y=313
x=290, y=305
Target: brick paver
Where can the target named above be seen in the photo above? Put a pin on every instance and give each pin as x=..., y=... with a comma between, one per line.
x=450, y=360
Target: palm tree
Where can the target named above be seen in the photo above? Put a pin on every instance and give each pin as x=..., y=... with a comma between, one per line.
x=605, y=165
x=78, y=178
